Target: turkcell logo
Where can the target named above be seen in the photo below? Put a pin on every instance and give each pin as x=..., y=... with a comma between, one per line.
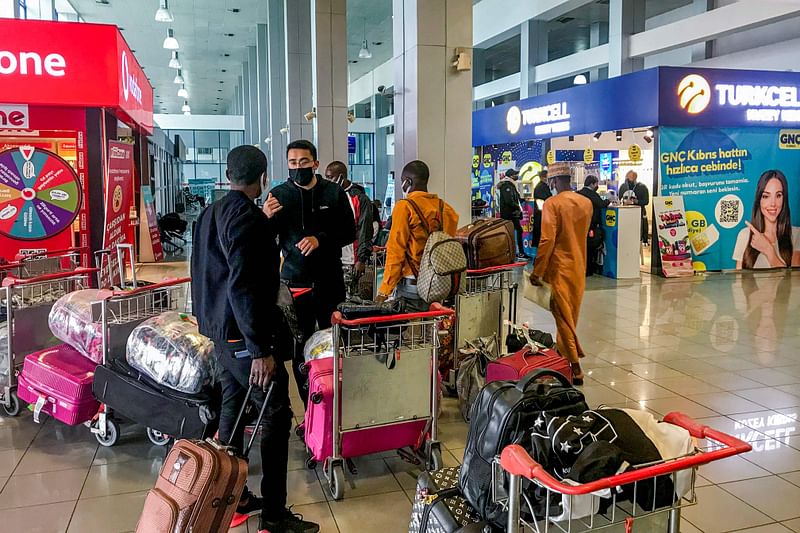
x=694, y=94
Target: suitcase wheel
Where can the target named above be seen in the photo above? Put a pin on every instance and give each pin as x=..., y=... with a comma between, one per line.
x=112, y=433
x=158, y=438
x=336, y=481
x=316, y=397
x=311, y=463
x=12, y=409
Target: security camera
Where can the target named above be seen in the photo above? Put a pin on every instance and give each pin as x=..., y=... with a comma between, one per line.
x=385, y=92
x=381, y=88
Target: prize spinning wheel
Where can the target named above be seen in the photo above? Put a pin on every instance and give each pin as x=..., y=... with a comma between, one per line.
x=40, y=193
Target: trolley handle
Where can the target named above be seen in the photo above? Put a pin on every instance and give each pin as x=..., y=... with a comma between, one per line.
x=48, y=253
x=13, y=281
x=298, y=292
x=498, y=268
x=437, y=310
x=516, y=461
x=171, y=282
x=10, y=266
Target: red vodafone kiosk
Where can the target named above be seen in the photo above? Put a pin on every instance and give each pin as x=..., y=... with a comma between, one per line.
x=68, y=91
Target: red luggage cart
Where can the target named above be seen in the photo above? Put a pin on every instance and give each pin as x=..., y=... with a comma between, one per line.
x=517, y=464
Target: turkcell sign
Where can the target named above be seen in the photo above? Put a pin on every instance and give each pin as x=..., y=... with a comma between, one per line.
x=763, y=103
x=546, y=119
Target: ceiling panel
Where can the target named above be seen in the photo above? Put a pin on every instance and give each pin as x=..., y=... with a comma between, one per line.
x=373, y=18
x=200, y=27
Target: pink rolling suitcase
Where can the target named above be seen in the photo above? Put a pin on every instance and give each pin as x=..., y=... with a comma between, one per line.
x=58, y=381
x=319, y=422
x=513, y=367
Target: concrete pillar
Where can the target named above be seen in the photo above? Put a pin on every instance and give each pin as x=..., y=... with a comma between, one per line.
x=236, y=105
x=252, y=60
x=625, y=17
x=276, y=36
x=533, y=52
x=329, y=53
x=598, y=34
x=246, y=100
x=262, y=63
x=299, y=82
x=433, y=101
x=702, y=51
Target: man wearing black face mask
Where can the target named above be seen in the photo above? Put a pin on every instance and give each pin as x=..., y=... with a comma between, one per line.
x=313, y=220
x=356, y=254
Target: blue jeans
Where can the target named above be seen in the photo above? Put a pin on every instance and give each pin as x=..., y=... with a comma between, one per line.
x=408, y=294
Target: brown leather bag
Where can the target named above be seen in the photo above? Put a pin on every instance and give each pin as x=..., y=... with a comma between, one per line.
x=488, y=242
x=199, y=486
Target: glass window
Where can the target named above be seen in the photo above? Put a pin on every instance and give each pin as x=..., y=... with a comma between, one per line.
x=65, y=11
x=208, y=171
x=206, y=146
x=498, y=61
x=187, y=136
x=7, y=9
x=229, y=139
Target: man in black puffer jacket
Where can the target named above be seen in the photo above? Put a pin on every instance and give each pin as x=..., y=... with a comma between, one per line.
x=313, y=220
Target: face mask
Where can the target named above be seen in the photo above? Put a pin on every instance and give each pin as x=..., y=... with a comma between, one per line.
x=553, y=191
x=301, y=176
x=406, y=187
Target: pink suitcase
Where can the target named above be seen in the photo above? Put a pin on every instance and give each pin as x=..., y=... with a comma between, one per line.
x=319, y=422
x=58, y=381
x=515, y=366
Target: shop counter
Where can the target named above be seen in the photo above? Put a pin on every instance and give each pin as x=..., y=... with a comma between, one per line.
x=623, y=226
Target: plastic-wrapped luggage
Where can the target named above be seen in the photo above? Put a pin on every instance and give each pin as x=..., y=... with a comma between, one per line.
x=169, y=349
x=319, y=345
x=4, y=366
x=71, y=322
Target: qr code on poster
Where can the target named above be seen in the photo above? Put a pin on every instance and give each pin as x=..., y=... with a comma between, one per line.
x=729, y=211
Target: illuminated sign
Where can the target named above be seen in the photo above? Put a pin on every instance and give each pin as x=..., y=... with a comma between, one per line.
x=789, y=139
x=546, y=119
x=14, y=116
x=694, y=93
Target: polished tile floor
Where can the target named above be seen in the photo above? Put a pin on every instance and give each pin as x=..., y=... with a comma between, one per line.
x=724, y=349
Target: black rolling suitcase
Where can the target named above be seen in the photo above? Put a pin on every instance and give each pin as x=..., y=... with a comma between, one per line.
x=134, y=396
x=439, y=506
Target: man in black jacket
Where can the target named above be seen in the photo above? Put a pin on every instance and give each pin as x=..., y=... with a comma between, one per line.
x=540, y=193
x=235, y=280
x=510, y=208
x=596, y=231
x=356, y=254
x=638, y=195
x=313, y=221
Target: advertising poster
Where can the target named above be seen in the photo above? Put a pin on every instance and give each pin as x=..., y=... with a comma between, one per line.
x=118, y=199
x=673, y=236
x=741, y=192
x=151, y=249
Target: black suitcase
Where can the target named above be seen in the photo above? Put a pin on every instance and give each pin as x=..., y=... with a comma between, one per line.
x=439, y=506
x=134, y=396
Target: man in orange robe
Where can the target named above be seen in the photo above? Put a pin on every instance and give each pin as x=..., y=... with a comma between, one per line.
x=561, y=260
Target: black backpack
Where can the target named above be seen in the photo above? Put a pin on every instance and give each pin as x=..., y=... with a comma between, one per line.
x=504, y=413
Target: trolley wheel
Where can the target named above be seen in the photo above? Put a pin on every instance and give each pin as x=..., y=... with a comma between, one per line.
x=435, y=462
x=311, y=463
x=158, y=438
x=14, y=407
x=300, y=430
x=336, y=481
x=112, y=434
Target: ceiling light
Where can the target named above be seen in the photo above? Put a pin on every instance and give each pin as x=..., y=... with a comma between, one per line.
x=171, y=43
x=597, y=135
x=619, y=135
x=186, y=107
x=174, y=62
x=178, y=78
x=364, y=53
x=580, y=79
x=182, y=92
x=163, y=14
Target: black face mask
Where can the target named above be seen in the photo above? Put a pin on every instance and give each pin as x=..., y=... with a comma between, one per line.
x=301, y=176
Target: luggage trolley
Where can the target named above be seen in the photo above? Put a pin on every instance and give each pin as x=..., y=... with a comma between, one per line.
x=515, y=463
x=384, y=374
x=479, y=308
x=28, y=302
x=117, y=316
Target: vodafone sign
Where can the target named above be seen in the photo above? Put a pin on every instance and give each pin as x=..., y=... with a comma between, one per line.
x=72, y=64
x=14, y=117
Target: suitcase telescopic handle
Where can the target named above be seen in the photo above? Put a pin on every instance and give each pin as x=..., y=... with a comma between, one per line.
x=261, y=412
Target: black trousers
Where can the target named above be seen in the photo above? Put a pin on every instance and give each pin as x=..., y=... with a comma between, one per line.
x=314, y=312
x=234, y=377
x=518, y=230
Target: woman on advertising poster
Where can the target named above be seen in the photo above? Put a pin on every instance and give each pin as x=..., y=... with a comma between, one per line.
x=769, y=240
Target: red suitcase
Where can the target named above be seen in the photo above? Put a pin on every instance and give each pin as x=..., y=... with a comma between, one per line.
x=515, y=366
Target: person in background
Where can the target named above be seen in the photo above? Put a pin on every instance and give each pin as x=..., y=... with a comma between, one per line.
x=637, y=195
x=414, y=218
x=357, y=254
x=596, y=231
x=313, y=220
x=540, y=193
x=510, y=208
x=234, y=288
x=561, y=260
